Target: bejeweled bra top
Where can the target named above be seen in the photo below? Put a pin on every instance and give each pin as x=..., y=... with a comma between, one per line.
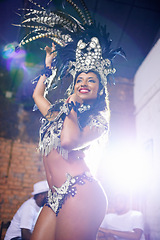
x=50, y=131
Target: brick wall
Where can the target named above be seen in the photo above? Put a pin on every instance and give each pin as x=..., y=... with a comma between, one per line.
x=20, y=167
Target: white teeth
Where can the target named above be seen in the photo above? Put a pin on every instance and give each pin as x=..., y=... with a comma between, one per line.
x=84, y=91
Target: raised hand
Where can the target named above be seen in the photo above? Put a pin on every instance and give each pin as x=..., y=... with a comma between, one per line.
x=75, y=98
x=50, y=54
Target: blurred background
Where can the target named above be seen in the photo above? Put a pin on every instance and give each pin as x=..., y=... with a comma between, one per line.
x=131, y=159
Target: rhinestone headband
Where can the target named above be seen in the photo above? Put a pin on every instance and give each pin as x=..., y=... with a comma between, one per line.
x=89, y=58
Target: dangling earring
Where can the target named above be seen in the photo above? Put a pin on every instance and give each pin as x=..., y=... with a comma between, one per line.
x=101, y=92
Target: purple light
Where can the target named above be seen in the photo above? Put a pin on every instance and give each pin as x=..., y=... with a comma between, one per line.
x=10, y=53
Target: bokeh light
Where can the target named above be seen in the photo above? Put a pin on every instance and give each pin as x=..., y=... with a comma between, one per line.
x=123, y=167
x=10, y=53
x=128, y=168
x=21, y=67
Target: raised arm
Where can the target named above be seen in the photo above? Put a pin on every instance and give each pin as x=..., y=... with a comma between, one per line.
x=38, y=95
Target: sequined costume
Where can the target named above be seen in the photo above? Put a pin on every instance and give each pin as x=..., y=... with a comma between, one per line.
x=50, y=131
x=57, y=198
x=50, y=138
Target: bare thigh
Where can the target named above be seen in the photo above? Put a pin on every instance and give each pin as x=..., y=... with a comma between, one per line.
x=45, y=225
x=81, y=215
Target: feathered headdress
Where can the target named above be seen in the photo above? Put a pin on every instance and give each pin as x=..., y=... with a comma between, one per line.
x=83, y=46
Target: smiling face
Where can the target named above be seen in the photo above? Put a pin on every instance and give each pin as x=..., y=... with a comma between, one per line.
x=87, y=86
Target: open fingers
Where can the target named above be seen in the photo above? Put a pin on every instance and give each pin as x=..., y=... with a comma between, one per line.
x=50, y=50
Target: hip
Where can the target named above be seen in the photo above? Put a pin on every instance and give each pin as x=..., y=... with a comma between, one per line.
x=84, y=188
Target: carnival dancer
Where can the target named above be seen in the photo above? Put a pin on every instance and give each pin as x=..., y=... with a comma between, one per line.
x=76, y=201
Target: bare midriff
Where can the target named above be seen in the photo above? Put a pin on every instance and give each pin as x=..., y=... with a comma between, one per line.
x=56, y=166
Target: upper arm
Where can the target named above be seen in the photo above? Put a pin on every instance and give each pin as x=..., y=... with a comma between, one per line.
x=138, y=223
x=79, y=139
x=88, y=135
x=73, y=136
x=27, y=217
x=42, y=103
x=38, y=95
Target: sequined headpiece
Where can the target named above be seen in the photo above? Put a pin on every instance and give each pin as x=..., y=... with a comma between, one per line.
x=83, y=46
x=89, y=57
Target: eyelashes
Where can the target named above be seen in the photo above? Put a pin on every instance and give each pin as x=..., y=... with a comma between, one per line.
x=90, y=80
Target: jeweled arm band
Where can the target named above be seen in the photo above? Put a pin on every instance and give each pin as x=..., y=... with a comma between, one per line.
x=46, y=71
x=66, y=109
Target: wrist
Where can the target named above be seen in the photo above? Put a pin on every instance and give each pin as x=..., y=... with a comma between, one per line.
x=48, y=66
x=75, y=106
x=46, y=71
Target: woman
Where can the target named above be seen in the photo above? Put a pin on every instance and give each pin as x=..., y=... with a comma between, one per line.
x=76, y=202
